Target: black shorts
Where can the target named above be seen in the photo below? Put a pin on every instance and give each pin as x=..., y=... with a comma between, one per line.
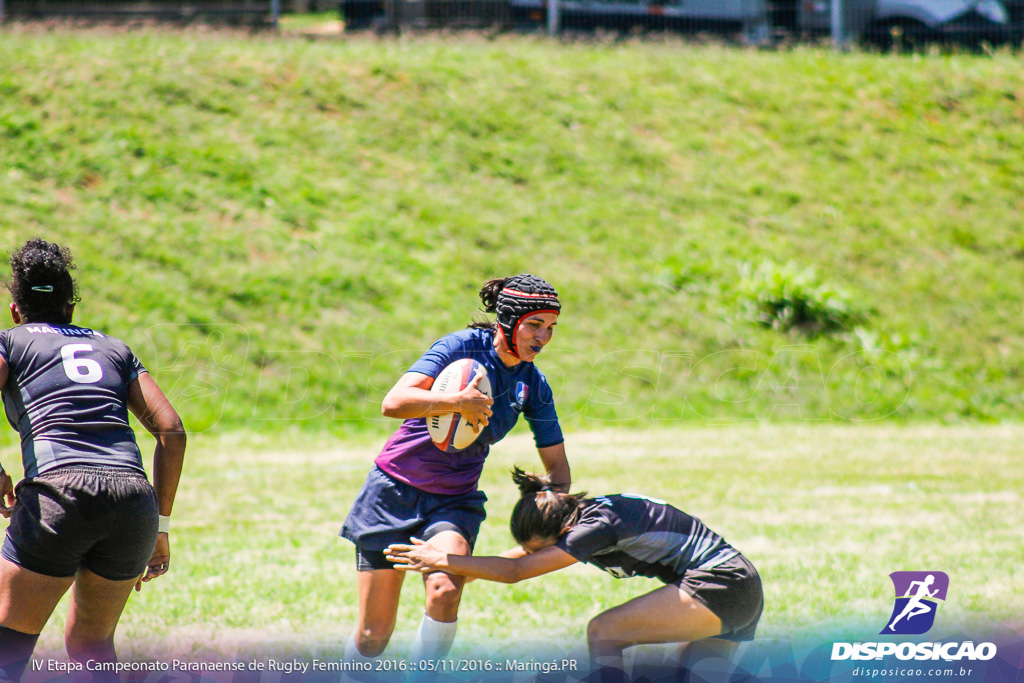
x=389, y=511
x=732, y=591
x=101, y=518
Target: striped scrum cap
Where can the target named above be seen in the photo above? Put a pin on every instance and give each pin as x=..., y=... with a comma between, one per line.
x=522, y=295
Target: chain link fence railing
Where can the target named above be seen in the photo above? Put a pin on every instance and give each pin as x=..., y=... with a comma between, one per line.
x=888, y=24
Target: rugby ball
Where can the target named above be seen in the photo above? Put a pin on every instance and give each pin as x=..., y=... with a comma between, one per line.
x=450, y=432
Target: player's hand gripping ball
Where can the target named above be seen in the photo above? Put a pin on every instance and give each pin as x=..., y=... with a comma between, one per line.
x=451, y=432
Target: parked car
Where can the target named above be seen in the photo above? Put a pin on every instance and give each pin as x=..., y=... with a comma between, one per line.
x=425, y=14
x=748, y=18
x=743, y=17
x=917, y=22
x=941, y=21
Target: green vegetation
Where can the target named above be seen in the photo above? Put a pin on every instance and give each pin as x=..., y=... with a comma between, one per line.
x=280, y=226
x=791, y=300
x=825, y=513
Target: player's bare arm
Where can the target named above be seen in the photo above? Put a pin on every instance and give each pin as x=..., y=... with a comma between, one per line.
x=148, y=403
x=556, y=465
x=411, y=398
x=423, y=557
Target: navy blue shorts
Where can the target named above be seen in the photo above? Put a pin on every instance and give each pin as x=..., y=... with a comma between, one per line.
x=389, y=511
x=98, y=517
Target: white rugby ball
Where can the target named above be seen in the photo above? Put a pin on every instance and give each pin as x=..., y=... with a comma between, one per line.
x=450, y=432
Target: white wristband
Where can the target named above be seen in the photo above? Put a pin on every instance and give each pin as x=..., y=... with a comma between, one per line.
x=164, y=526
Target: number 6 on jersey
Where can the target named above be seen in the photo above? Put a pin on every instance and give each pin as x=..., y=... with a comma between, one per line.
x=80, y=370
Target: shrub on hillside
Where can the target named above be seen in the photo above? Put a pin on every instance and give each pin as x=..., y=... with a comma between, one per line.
x=790, y=299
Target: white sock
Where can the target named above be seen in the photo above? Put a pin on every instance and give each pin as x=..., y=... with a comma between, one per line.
x=354, y=656
x=433, y=639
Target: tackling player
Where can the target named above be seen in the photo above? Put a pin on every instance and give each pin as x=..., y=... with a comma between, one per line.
x=84, y=515
x=416, y=489
x=711, y=591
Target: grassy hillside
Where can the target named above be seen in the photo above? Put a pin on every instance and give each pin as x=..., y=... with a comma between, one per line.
x=279, y=226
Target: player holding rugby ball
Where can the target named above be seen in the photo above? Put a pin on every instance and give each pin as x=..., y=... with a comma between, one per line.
x=84, y=514
x=415, y=489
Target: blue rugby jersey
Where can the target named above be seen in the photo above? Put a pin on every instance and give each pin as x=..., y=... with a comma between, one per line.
x=67, y=396
x=628, y=535
x=411, y=457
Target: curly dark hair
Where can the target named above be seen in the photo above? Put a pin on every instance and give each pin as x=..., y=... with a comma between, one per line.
x=541, y=511
x=41, y=283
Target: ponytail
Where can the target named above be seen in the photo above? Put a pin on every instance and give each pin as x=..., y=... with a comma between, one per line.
x=489, y=293
x=529, y=483
x=541, y=511
x=489, y=296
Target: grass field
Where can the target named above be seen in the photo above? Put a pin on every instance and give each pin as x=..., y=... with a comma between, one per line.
x=826, y=513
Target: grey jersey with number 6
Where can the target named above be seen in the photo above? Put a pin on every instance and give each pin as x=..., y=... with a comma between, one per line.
x=67, y=395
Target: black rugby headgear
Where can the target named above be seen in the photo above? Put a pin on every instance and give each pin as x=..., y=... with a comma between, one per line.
x=521, y=296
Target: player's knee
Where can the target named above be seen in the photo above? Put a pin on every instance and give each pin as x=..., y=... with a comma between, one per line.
x=601, y=631
x=443, y=597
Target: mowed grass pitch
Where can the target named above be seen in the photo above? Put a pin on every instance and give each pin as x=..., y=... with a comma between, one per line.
x=826, y=513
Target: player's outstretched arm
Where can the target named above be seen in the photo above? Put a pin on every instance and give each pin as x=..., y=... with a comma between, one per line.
x=423, y=557
x=148, y=403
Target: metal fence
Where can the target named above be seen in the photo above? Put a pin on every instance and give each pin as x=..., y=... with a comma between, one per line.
x=884, y=23
x=888, y=24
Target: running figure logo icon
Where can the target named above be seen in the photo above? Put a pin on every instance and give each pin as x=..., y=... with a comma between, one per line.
x=917, y=600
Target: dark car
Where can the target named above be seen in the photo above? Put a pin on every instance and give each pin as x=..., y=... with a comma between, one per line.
x=746, y=17
x=910, y=23
x=723, y=17
x=960, y=22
